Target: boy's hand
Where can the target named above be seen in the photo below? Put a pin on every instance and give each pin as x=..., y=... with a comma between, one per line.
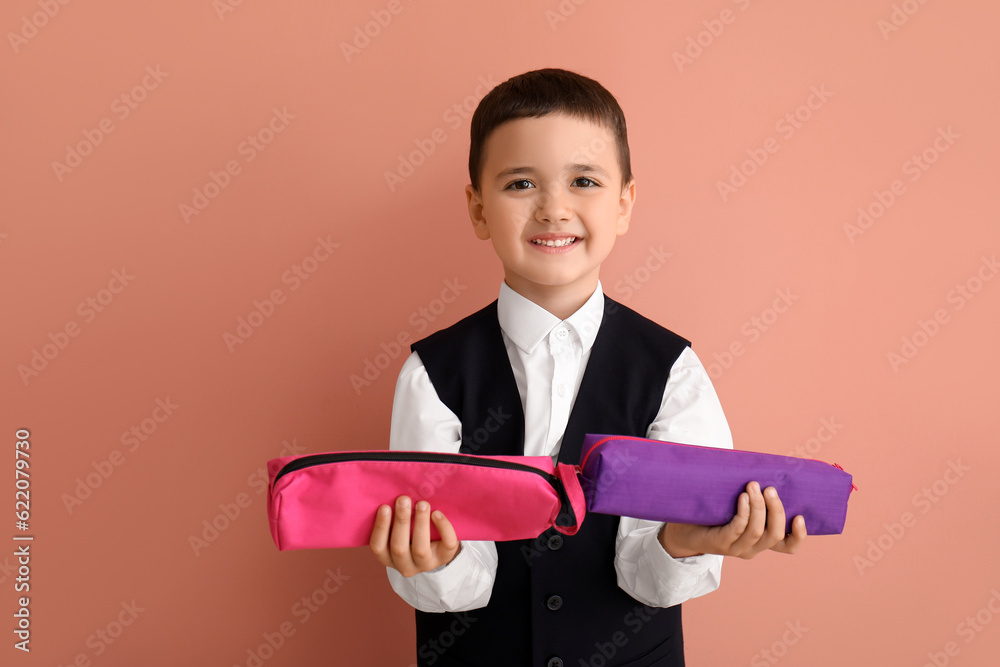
x=759, y=525
x=410, y=557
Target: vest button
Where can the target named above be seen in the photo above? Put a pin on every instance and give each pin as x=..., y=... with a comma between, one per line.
x=555, y=542
x=554, y=602
x=554, y=662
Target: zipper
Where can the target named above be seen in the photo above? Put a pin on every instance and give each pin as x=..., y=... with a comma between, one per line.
x=600, y=442
x=632, y=437
x=854, y=487
x=430, y=457
x=604, y=440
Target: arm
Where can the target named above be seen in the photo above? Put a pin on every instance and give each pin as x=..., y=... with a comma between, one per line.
x=421, y=422
x=666, y=564
x=690, y=413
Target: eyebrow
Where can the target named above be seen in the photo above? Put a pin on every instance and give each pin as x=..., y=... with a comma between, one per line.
x=576, y=167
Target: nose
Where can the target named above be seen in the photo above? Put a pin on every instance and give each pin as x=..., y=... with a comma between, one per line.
x=554, y=205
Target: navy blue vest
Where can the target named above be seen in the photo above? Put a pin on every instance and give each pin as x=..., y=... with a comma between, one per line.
x=555, y=600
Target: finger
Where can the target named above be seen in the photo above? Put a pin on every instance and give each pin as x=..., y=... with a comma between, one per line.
x=420, y=546
x=379, y=542
x=399, y=541
x=449, y=539
x=774, y=530
x=792, y=542
x=739, y=523
x=744, y=545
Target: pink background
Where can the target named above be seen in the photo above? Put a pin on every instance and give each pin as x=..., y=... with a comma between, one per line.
x=916, y=565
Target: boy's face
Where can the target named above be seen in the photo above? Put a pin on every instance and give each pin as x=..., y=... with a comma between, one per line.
x=552, y=202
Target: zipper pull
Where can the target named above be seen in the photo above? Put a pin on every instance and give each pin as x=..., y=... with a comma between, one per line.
x=854, y=487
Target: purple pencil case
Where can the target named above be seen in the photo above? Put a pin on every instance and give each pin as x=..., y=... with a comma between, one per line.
x=676, y=483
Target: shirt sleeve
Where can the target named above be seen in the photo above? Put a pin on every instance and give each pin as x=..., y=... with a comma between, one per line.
x=689, y=414
x=421, y=422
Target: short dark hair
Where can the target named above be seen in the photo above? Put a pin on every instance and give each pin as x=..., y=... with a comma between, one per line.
x=540, y=93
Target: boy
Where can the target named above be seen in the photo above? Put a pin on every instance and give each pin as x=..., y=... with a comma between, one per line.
x=551, y=360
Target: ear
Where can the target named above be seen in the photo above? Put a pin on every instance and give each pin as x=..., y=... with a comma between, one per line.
x=625, y=205
x=475, y=203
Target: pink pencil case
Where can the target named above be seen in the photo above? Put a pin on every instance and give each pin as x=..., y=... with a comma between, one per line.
x=329, y=500
x=664, y=481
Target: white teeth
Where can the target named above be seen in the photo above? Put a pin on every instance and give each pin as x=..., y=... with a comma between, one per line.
x=556, y=243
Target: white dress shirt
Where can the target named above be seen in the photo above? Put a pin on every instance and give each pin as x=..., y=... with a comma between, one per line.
x=548, y=357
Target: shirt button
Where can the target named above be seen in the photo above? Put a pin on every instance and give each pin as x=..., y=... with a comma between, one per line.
x=555, y=542
x=562, y=390
x=562, y=334
x=554, y=662
x=554, y=602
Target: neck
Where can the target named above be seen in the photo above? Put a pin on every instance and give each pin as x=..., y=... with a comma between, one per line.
x=560, y=300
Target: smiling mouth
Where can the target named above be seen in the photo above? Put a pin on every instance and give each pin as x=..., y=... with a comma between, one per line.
x=556, y=243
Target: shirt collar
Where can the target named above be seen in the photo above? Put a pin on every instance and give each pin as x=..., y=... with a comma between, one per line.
x=527, y=324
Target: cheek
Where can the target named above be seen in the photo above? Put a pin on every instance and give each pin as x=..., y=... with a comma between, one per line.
x=508, y=229
x=518, y=219
x=601, y=216
x=511, y=213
